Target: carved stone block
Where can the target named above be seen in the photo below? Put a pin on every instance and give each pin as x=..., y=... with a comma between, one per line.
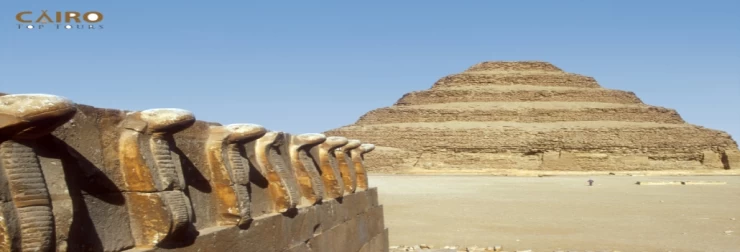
x=731, y=159
x=229, y=171
x=712, y=159
x=26, y=216
x=302, y=163
x=158, y=207
x=324, y=155
x=267, y=154
x=346, y=166
x=358, y=158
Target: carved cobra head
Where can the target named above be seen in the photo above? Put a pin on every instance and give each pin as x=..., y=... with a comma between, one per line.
x=346, y=165
x=302, y=163
x=329, y=167
x=29, y=116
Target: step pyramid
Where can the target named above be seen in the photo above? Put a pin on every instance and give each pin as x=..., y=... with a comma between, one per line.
x=531, y=115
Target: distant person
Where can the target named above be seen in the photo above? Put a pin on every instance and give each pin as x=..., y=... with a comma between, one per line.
x=590, y=182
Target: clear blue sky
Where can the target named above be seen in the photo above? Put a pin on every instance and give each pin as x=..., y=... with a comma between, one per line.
x=309, y=66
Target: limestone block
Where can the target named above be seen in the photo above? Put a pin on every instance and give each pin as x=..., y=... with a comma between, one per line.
x=559, y=160
x=56, y=183
x=372, y=196
x=326, y=158
x=516, y=111
x=157, y=216
x=475, y=78
x=733, y=159
x=435, y=96
x=712, y=159
x=330, y=214
x=229, y=171
x=89, y=144
x=337, y=238
x=30, y=116
x=375, y=220
x=633, y=160
x=267, y=155
x=158, y=207
x=351, y=235
x=26, y=216
x=333, y=212
x=304, y=167
x=330, y=226
x=358, y=157
x=379, y=243
x=356, y=203
x=300, y=228
x=264, y=234
x=346, y=165
x=101, y=223
x=516, y=73
x=550, y=156
x=261, y=200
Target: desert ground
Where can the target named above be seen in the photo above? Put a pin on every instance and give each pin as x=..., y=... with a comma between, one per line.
x=562, y=212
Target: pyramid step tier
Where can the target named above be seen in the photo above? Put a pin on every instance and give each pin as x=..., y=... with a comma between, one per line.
x=555, y=79
x=521, y=137
x=529, y=112
x=517, y=66
x=511, y=145
x=472, y=161
x=518, y=95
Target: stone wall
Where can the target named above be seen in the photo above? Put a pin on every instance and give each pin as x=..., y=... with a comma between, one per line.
x=543, y=79
x=79, y=178
x=566, y=146
x=412, y=113
x=436, y=96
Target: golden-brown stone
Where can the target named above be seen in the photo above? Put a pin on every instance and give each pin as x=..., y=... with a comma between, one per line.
x=229, y=171
x=26, y=216
x=158, y=208
x=113, y=180
x=358, y=157
x=328, y=164
x=300, y=160
x=281, y=181
x=346, y=165
x=531, y=115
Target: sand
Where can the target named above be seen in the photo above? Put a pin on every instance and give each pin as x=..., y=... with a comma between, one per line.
x=562, y=212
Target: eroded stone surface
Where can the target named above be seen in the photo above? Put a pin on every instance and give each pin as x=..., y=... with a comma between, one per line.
x=329, y=166
x=158, y=207
x=731, y=159
x=30, y=116
x=319, y=228
x=358, y=158
x=533, y=116
x=270, y=161
x=26, y=214
x=303, y=164
x=112, y=180
x=346, y=165
x=229, y=171
x=166, y=119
